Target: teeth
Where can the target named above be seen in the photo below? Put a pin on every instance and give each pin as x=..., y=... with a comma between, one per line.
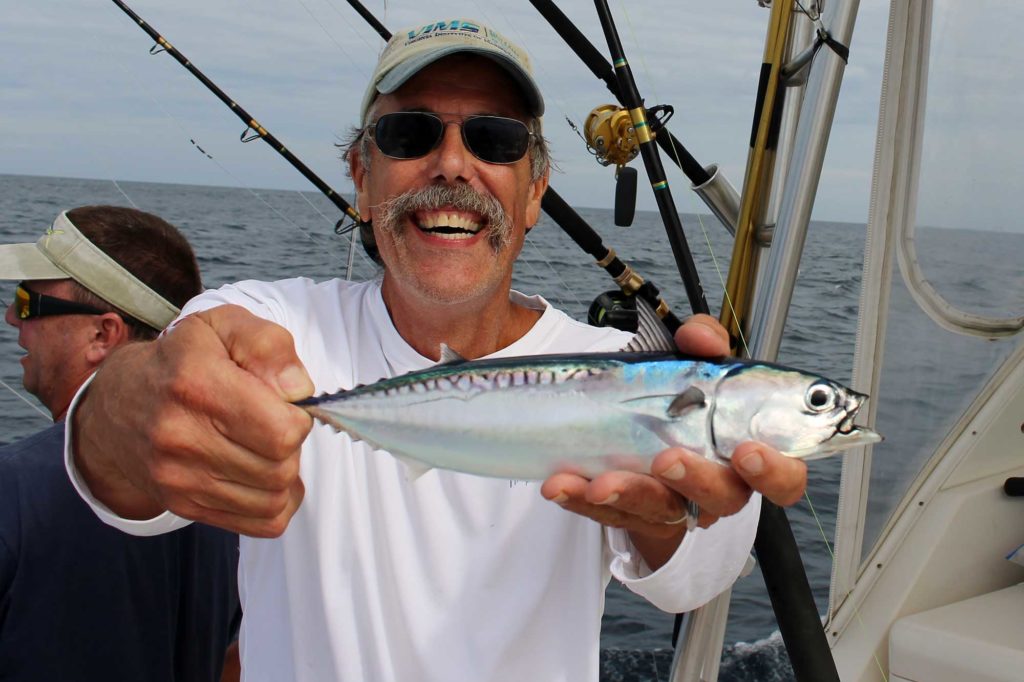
x=435, y=220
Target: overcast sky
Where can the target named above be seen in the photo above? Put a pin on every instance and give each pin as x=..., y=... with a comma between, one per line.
x=82, y=97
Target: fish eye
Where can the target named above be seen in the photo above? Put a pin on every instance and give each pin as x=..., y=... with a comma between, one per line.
x=820, y=397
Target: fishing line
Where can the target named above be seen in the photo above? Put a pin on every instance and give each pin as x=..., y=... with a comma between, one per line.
x=259, y=131
x=373, y=49
x=856, y=611
x=124, y=194
x=551, y=268
x=97, y=161
x=672, y=143
x=805, y=663
x=24, y=399
x=538, y=64
x=561, y=105
x=238, y=183
x=331, y=37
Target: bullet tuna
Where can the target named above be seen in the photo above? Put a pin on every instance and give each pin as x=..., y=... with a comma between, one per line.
x=526, y=418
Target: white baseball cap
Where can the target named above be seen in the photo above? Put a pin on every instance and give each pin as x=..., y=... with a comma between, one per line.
x=410, y=50
x=64, y=252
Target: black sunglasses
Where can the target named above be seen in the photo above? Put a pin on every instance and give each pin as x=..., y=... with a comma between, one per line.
x=30, y=304
x=414, y=134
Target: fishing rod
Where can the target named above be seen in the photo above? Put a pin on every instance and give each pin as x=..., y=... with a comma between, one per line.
x=258, y=131
x=586, y=238
x=783, y=570
x=601, y=68
x=630, y=282
x=709, y=183
x=652, y=163
x=784, y=573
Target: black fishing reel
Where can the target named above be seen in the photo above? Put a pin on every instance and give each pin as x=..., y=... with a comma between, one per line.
x=614, y=309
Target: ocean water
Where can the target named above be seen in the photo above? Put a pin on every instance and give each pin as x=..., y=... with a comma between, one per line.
x=245, y=234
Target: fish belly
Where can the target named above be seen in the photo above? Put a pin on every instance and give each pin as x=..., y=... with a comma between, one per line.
x=526, y=434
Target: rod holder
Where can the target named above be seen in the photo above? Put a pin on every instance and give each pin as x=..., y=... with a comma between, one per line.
x=721, y=197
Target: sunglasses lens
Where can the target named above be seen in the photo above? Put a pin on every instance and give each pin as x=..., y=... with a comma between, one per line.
x=495, y=139
x=407, y=134
x=22, y=302
x=413, y=134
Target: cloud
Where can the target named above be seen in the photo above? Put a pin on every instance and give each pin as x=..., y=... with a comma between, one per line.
x=83, y=97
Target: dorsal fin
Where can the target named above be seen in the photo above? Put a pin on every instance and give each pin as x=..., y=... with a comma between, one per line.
x=651, y=334
x=688, y=399
x=448, y=356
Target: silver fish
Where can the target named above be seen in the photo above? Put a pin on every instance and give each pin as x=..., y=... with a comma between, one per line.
x=526, y=418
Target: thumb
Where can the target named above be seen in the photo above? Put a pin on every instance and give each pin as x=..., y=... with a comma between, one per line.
x=263, y=348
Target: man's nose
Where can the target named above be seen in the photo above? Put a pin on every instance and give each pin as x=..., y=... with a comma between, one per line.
x=11, y=317
x=452, y=161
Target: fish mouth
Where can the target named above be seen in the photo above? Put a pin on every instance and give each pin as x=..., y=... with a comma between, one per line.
x=845, y=435
x=846, y=429
x=854, y=435
x=848, y=434
x=846, y=426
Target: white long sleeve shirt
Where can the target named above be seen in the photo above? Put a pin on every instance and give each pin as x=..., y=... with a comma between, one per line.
x=445, y=578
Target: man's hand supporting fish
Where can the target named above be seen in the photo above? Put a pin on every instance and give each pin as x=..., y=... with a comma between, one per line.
x=649, y=507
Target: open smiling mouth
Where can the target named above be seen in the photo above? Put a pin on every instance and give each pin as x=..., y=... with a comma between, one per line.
x=449, y=226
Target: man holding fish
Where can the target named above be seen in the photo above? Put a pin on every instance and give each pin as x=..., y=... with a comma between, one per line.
x=355, y=567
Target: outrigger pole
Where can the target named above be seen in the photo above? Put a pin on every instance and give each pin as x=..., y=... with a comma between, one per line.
x=764, y=136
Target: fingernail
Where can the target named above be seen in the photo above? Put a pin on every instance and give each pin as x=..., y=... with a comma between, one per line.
x=560, y=498
x=753, y=463
x=294, y=382
x=611, y=499
x=674, y=472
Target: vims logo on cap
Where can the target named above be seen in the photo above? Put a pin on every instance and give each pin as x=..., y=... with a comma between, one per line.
x=459, y=29
x=445, y=26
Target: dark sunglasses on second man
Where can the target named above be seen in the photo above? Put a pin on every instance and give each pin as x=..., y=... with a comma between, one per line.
x=413, y=134
x=30, y=304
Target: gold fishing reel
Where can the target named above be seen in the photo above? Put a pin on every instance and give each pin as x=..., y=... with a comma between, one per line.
x=610, y=136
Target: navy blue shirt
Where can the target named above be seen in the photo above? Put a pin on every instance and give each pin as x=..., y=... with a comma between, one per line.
x=81, y=601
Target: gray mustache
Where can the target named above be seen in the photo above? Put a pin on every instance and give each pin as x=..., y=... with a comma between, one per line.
x=459, y=197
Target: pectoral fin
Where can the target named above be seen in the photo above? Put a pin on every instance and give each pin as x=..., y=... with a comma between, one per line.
x=687, y=400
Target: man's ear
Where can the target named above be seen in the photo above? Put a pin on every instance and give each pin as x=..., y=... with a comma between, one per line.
x=109, y=331
x=359, y=178
x=537, y=189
